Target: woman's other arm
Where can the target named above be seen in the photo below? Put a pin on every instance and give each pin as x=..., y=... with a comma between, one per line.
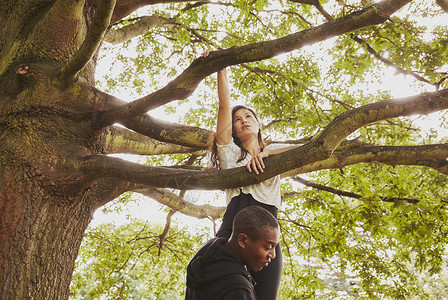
x=256, y=164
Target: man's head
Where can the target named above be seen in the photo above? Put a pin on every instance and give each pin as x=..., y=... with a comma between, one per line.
x=255, y=234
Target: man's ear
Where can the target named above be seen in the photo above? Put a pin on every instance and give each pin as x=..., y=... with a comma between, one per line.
x=242, y=240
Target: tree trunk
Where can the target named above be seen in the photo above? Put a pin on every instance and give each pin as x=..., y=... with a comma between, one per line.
x=40, y=236
x=45, y=206
x=47, y=100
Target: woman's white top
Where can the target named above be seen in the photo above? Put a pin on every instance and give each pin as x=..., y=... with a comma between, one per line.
x=267, y=191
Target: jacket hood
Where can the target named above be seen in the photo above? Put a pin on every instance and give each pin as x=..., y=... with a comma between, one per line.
x=212, y=263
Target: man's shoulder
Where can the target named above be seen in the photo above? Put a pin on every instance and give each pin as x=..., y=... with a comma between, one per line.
x=232, y=287
x=221, y=274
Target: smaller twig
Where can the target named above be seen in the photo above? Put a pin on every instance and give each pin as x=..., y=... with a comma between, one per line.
x=388, y=62
x=136, y=237
x=162, y=237
x=349, y=194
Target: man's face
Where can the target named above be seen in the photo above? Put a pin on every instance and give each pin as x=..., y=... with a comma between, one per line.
x=258, y=254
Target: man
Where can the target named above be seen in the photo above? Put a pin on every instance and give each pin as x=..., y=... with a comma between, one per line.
x=219, y=270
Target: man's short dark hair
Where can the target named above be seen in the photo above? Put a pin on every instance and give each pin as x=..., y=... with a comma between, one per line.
x=252, y=221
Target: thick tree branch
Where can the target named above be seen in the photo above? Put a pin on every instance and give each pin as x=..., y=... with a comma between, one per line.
x=188, y=136
x=440, y=165
x=121, y=140
x=177, y=203
x=319, y=149
x=125, y=7
x=347, y=122
x=433, y=156
x=186, y=83
x=108, y=189
x=91, y=43
x=164, y=131
x=173, y=133
x=144, y=24
x=309, y=2
x=394, y=155
x=99, y=166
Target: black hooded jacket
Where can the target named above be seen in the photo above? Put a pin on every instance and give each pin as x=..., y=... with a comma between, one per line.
x=214, y=273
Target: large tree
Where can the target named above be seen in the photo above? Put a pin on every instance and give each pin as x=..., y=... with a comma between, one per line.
x=57, y=127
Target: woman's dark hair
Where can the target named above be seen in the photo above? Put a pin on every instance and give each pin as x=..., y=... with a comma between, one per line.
x=236, y=140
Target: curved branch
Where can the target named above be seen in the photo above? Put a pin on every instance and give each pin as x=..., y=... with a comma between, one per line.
x=91, y=43
x=349, y=121
x=162, y=236
x=121, y=140
x=177, y=203
x=110, y=188
x=101, y=166
x=144, y=24
x=186, y=83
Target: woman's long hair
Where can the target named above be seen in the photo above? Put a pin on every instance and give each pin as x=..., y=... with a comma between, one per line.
x=214, y=148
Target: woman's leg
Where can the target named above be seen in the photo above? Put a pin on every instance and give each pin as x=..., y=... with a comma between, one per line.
x=236, y=204
x=268, y=279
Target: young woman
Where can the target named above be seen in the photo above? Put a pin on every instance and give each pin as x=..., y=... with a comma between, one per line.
x=239, y=142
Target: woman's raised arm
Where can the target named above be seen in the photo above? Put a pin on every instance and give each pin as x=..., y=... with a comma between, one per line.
x=224, y=122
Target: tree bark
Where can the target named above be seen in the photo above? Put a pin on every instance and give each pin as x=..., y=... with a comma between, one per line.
x=121, y=140
x=40, y=235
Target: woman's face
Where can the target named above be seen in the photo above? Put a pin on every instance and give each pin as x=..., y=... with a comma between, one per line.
x=245, y=124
